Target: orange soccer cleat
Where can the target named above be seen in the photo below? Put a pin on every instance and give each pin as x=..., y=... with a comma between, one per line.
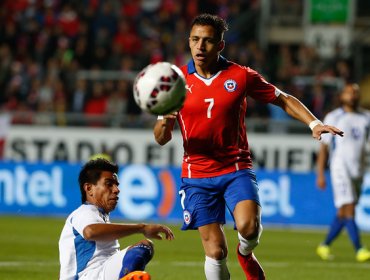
x=137, y=275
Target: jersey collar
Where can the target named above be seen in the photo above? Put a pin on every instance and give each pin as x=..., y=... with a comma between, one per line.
x=101, y=210
x=223, y=63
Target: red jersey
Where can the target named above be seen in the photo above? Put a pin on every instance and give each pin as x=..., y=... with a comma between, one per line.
x=212, y=120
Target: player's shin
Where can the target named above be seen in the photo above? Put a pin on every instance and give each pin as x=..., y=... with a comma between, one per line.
x=136, y=259
x=249, y=263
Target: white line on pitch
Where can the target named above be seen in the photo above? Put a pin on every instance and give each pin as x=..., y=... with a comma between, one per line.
x=27, y=263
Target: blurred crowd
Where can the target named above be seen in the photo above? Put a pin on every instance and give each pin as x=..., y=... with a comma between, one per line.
x=44, y=45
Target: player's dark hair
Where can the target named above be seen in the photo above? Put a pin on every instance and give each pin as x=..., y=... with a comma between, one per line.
x=91, y=172
x=219, y=24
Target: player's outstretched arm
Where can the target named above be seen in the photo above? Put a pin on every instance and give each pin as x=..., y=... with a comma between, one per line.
x=163, y=128
x=113, y=231
x=156, y=231
x=297, y=110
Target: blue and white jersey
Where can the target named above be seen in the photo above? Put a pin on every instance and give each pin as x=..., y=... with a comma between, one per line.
x=348, y=151
x=78, y=255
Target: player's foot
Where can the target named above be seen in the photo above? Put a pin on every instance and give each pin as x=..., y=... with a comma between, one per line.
x=324, y=252
x=251, y=266
x=137, y=275
x=363, y=255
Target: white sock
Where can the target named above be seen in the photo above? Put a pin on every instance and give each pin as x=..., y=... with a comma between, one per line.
x=216, y=269
x=247, y=246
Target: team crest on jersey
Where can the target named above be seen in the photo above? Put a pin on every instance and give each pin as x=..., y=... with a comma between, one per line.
x=230, y=85
x=356, y=133
x=187, y=217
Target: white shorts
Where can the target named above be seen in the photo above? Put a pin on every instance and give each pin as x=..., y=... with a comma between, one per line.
x=110, y=270
x=346, y=190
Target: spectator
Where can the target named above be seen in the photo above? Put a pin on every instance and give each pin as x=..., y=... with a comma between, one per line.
x=79, y=96
x=52, y=40
x=96, y=105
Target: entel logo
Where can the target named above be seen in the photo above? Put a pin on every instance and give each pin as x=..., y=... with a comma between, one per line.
x=139, y=190
x=275, y=197
x=139, y=197
x=38, y=188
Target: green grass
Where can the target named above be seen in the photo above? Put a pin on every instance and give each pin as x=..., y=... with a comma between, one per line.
x=29, y=250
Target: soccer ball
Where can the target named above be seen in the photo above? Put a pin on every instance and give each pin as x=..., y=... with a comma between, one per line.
x=160, y=88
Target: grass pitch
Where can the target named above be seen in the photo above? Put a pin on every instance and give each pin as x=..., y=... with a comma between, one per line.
x=29, y=250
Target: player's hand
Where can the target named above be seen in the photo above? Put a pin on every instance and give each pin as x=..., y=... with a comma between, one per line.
x=155, y=231
x=172, y=115
x=321, y=182
x=169, y=120
x=319, y=129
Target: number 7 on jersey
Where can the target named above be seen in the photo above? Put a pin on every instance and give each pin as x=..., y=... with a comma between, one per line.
x=211, y=102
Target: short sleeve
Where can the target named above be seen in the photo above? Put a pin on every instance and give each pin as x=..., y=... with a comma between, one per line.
x=258, y=88
x=84, y=217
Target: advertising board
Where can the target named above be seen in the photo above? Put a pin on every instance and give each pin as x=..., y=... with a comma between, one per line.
x=133, y=146
x=151, y=194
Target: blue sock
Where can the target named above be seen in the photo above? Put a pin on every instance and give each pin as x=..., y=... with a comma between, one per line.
x=334, y=230
x=353, y=232
x=136, y=258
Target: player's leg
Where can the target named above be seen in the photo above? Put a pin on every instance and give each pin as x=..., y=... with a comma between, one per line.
x=247, y=215
x=362, y=254
x=204, y=209
x=242, y=200
x=342, y=195
x=137, y=257
x=338, y=223
x=133, y=258
x=349, y=213
x=345, y=218
x=215, y=248
x=323, y=250
x=346, y=193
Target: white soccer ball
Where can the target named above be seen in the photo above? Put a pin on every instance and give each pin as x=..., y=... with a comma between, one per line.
x=160, y=88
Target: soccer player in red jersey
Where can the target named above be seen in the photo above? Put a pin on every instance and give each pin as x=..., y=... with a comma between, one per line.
x=217, y=167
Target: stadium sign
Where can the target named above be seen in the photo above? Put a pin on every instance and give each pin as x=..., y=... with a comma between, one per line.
x=329, y=11
x=151, y=193
x=131, y=146
x=328, y=26
x=38, y=188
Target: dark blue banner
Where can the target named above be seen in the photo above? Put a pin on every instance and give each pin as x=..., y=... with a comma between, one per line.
x=149, y=193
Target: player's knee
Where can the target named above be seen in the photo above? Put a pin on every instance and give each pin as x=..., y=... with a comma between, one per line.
x=145, y=248
x=250, y=243
x=137, y=257
x=217, y=252
x=250, y=229
x=148, y=243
